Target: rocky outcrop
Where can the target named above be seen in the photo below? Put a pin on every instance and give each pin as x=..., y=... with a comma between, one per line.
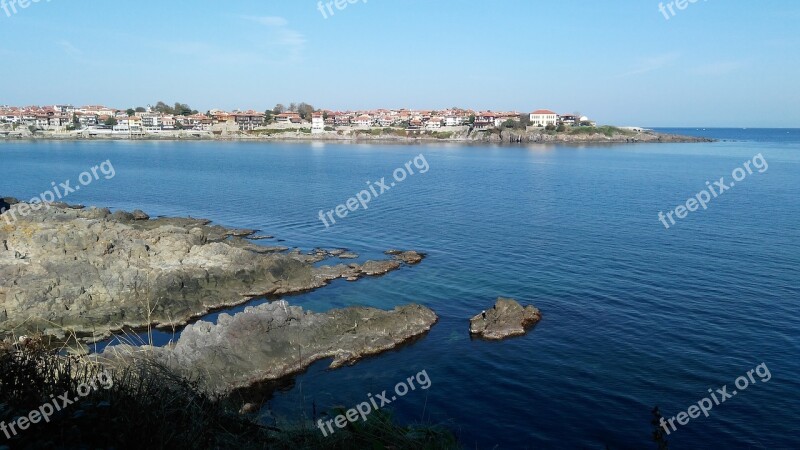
x=409, y=257
x=275, y=340
x=65, y=269
x=507, y=318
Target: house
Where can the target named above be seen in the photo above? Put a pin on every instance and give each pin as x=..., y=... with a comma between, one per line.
x=86, y=120
x=386, y=121
x=289, y=117
x=452, y=120
x=569, y=119
x=434, y=123
x=414, y=124
x=485, y=120
x=342, y=119
x=543, y=118
x=249, y=120
x=129, y=125
x=150, y=121
x=317, y=123
x=362, y=121
x=168, y=122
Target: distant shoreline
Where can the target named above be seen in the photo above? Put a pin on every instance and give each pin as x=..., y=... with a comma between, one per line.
x=601, y=135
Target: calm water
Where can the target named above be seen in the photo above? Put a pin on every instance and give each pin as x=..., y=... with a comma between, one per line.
x=634, y=315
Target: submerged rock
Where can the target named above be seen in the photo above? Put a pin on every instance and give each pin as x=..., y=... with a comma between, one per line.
x=275, y=340
x=94, y=272
x=507, y=318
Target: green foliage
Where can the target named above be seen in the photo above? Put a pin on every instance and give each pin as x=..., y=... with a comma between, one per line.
x=608, y=131
x=146, y=405
x=130, y=112
x=110, y=122
x=180, y=109
x=561, y=128
x=550, y=127
x=330, y=129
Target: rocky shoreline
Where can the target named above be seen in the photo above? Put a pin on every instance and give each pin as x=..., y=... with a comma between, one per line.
x=87, y=273
x=274, y=340
x=460, y=135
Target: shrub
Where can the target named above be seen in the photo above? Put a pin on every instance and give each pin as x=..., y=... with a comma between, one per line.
x=148, y=406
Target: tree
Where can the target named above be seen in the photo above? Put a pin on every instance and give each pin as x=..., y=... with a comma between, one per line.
x=293, y=107
x=279, y=109
x=182, y=109
x=471, y=120
x=110, y=122
x=550, y=127
x=140, y=109
x=561, y=128
x=162, y=108
x=268, y=116
x=305, y=110
x=130, y=112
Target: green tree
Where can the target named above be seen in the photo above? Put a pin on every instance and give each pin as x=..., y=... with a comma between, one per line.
x=561, y=128
x=162, y=108
x=279, y=109
x=140, y=109
x=471, y=120
x=110, y=122
x=305, y=111
x=182, y=109
x=130, y=112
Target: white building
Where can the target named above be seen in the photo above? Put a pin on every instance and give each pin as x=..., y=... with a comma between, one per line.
x=317, y=123
x=543, y=118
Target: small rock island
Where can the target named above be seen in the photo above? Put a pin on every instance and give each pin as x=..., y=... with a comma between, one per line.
x=507, y=318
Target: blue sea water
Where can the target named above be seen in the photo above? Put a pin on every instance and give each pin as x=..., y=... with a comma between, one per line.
x=635, y=315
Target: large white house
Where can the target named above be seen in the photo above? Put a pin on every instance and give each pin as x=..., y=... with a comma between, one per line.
x=317, y=123
x=543, y=118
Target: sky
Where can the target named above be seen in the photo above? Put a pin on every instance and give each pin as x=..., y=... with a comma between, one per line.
x=714, y=63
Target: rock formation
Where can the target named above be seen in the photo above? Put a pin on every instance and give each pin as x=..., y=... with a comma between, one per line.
x=507, y=318
x=274, y=340
x=66, y=269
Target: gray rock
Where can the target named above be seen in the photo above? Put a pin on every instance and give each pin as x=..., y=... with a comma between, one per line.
x=275, y=340
x=409, y=257
x=507, y=318
x=140, y=215
x=92, y=272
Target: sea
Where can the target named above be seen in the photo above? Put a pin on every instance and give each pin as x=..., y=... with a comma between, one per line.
x=638, y=311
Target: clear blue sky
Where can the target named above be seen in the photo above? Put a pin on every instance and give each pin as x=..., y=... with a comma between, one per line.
x=715, y=63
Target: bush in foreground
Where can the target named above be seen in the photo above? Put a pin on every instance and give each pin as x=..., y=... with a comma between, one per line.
x=147, y=406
